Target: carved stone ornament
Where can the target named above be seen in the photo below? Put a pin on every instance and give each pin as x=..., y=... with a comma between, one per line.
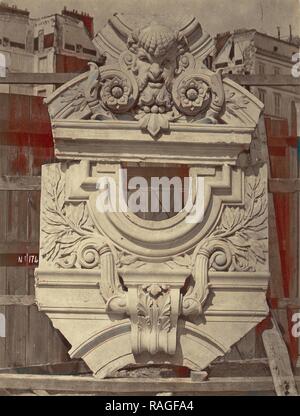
x=126, y=290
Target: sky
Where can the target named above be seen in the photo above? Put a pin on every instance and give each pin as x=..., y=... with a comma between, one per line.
x=215, y=16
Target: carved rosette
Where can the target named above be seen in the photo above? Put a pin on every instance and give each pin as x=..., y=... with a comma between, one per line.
x=194, y=95
x=118, y=91
x=115, y=94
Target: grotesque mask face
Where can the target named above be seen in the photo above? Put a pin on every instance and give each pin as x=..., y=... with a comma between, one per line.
x=156, y=50
x=155, y=70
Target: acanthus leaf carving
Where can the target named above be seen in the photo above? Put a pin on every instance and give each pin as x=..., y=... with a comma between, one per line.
x=153, y=317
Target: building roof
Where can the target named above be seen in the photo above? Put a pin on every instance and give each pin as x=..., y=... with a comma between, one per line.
x=5, y=8
x=223, y=37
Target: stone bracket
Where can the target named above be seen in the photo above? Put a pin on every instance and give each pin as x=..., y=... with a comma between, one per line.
x=154, y=306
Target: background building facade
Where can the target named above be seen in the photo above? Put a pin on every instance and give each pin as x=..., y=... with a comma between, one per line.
x=251, y=52
x=56, y=43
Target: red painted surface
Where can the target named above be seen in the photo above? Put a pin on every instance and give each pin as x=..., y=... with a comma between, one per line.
x=25, y=128
x=279, y=143
x=66, y=63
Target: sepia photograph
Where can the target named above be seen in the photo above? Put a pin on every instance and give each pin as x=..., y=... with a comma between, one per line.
x=149, y=186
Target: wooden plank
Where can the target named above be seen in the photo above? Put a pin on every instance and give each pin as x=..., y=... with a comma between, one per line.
x=274, y=255
x=58, y=346
x=246, y=346
x=293, y=244
x=20, y=183
x=74, y=367
x=292, y=303
x=298, y=249
x=21, y=300
x=41, y=393
x=279, y=361
x=265, y=80
x=16, y=283
x=136, y=385
x=27, y=183
x=19, y=247
x=61, y=78
x=3, y=281
x=283, y=165
x=3, y=231
x=38, y=323
x=253, y=367
x=37, y=78
x=37, y=331
x=16, y=321
x=276, y=281
x=283, y=185
x=3, y=313
x=26, y=143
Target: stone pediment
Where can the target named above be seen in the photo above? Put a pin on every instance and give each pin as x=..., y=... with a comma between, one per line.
x=154, y=79
x=124, y=289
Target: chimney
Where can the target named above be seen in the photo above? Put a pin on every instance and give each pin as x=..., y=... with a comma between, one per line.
x=5, y=8
x=87, y=20
x=291, y=33
x=278, y=32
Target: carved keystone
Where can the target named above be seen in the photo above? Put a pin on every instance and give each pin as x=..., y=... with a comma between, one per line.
x=154, y=306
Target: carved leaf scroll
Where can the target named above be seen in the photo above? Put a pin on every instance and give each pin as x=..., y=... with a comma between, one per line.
x=239, y=243
x=245, y=229
x=64, y=226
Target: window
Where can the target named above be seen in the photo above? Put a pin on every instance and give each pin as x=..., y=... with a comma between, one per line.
x=49, y=40
x=262, y=95
x=2, y=65
x=78, y=48
x=261, y=68
x=69, y=47
x=276, y=70
x=5, y=42
x=17, y=45
x=89, y=51
x=293, y=127
x=42, y=93
x=223, y=65
x=29, y=41
x=43, y=65
x=231, y=53
x=41, y=41
x=277, y=104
